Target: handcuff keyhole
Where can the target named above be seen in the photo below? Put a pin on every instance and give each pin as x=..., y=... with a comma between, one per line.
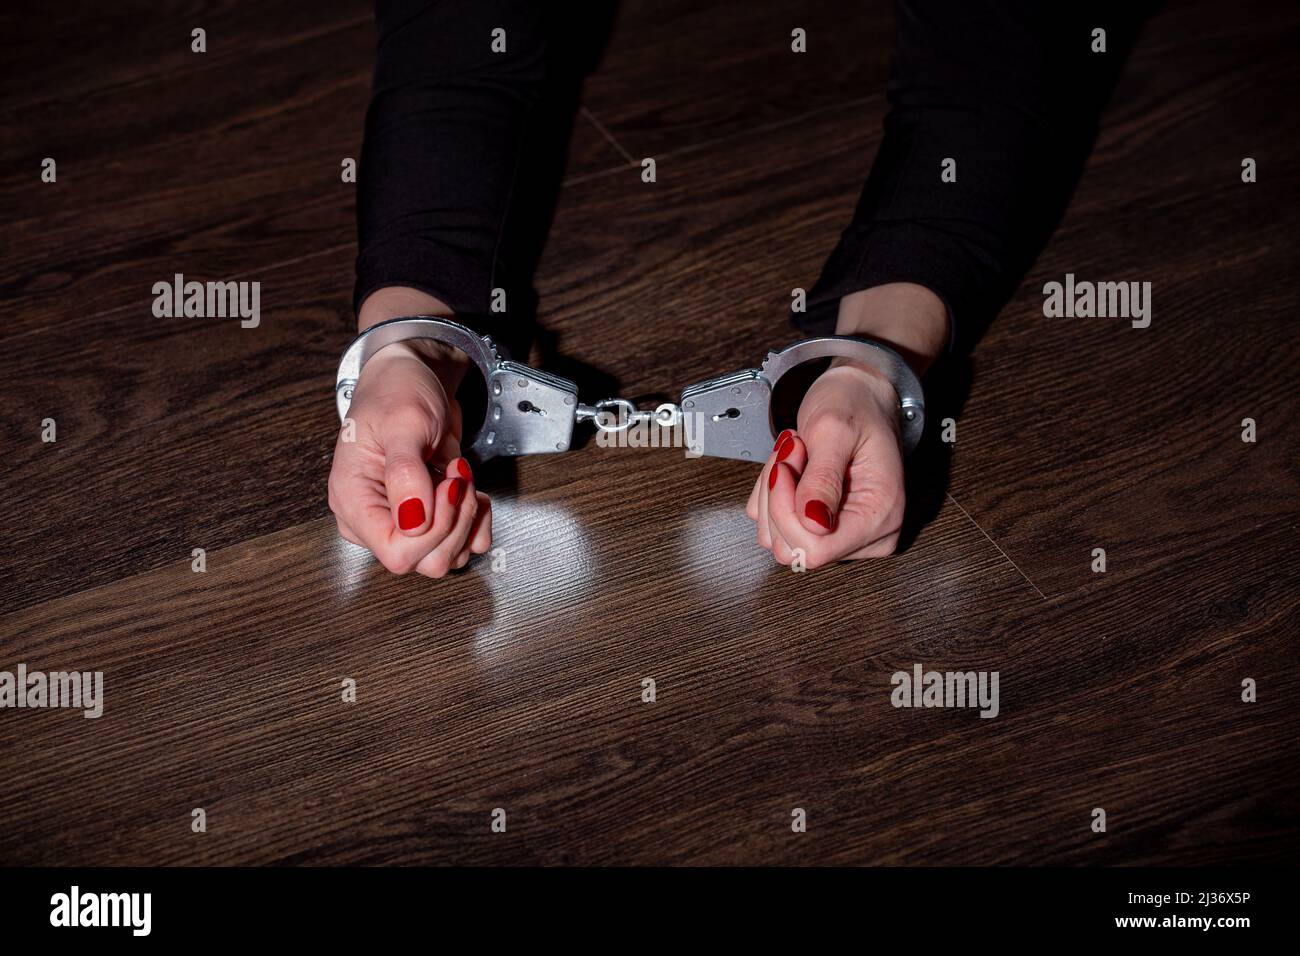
x=527, y=406
x=729, y=413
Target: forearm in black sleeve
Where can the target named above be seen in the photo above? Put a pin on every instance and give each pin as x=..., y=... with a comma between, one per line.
x=1012, y=91
x=443, y=134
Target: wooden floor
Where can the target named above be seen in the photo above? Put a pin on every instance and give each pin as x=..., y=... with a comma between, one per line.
x=520, y=687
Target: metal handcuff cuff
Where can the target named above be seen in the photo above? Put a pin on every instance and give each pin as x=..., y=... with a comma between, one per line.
x=532, y=412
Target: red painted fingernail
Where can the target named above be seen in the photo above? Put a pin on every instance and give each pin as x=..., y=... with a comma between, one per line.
x=410, y=514
x=818, y=512
x=771, y=478
x=782, y=438
x=462, y=469
x=455, y=491
x=784, y=449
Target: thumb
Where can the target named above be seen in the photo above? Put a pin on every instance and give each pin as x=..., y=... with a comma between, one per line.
x=821, y=486
x=407, y=482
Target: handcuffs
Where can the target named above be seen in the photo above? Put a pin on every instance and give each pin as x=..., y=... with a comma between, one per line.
x=532, y=412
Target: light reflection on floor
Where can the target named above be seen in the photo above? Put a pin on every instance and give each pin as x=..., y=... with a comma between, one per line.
x=720, y=545
x=353, y=563
x=539, y=550
x=542, y=554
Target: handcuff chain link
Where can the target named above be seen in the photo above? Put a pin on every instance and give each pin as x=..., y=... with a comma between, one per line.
x=613, y=415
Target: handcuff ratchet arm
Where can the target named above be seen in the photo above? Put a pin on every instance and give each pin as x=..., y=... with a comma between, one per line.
x=733, y=412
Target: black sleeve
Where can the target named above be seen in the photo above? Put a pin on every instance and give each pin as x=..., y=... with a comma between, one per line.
x=1012, y=91
x=443, y=135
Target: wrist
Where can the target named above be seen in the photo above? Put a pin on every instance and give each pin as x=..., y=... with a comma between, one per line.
x=909, y=318
x=447, y=362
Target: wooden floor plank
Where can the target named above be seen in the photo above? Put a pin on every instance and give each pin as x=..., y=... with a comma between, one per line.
x=738, y=63
x=225, y=695
x=219, y=169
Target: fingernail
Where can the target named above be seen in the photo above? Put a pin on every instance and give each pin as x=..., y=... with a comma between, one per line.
x=462, y=469
x=781, y=438
x=771, y=478
x=410, y=514
x=455, y=491
x=818, y=512
x=785, y=447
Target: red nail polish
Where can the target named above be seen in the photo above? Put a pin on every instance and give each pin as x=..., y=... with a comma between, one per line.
x=410, y=514
x=781, y=438
x=462, y=469
x=787, y=445
x=771, y=478
x=455, y=491
x=818, y=512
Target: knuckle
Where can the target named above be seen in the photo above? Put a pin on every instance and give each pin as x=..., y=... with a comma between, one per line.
x=403, y=469
x=396, y=563
x=885, y=547
x=334, y=493
x=820, y=482
x=434, y=566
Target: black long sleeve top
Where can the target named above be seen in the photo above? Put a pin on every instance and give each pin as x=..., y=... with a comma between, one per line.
x=1011, y=90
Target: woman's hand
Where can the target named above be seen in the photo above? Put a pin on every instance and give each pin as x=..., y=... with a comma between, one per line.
x=833, y=489
x=398, y=485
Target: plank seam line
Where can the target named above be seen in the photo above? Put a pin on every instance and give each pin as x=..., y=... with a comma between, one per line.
x=600, y=127
x=996, y=545
x=718, y=140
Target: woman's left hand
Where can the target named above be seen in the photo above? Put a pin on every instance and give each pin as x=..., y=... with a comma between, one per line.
x=833, y=489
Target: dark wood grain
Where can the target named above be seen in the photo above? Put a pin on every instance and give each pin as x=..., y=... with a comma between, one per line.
x=517, y=683
x=220, y=165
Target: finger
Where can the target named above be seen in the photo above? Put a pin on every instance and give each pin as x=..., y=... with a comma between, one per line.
x=451, y=531
x=831, y=443
x=480, y=533
x=448, y=497
x=359, y=502
x=795, y=455
x=764, y=530
x=815, y=549
x=751, y=506
x=795, y=461
x=400, y=553
x=460, y=496
x=780, y=492
x=781, y=549
x=407, y=482
x=480, y=537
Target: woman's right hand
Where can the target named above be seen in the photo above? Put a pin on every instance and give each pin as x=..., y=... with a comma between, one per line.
x=398, y=485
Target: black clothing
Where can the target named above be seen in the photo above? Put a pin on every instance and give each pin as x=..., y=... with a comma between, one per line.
x=1009, y=89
